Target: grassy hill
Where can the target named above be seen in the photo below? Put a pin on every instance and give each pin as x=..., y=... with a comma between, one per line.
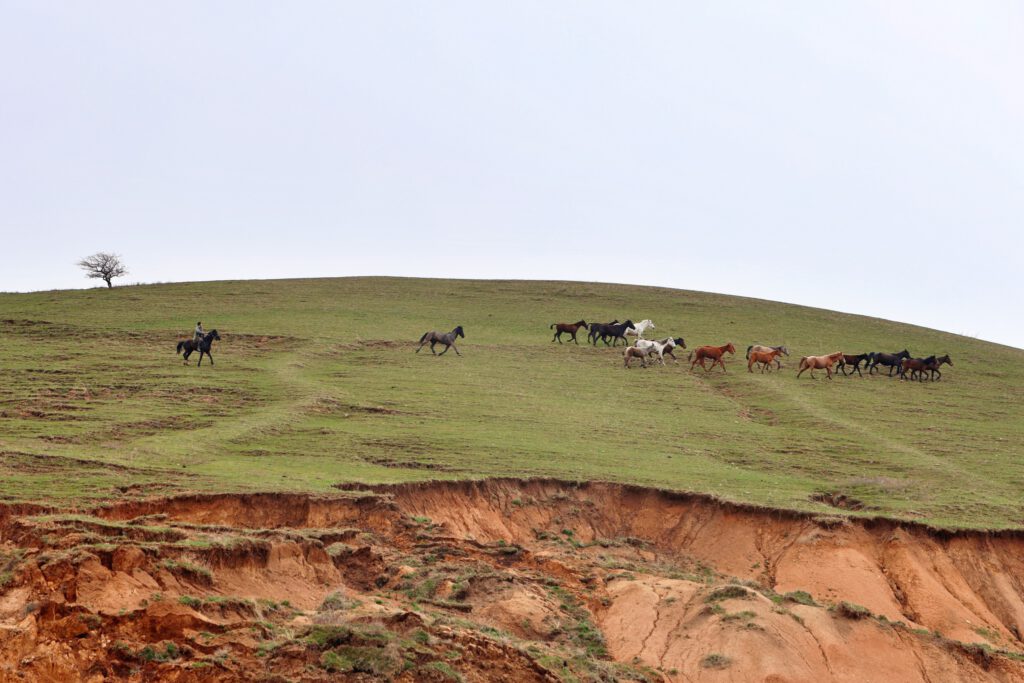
x=316, y=383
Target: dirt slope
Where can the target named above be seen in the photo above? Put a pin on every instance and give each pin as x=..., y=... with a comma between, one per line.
x=500, y=580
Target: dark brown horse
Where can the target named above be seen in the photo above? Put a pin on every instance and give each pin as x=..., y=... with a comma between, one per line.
x=854, y=363
x=889, y=360
x=916, y=367
x=934, y=367
x=813, y=363
x=567, y=328
x=438, y=338
x=924, y=366
x=715, y=353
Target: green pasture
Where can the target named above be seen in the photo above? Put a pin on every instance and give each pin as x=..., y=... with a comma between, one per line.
x=316, y=383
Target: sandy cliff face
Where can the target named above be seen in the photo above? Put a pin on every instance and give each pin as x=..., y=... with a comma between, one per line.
x=500, y=580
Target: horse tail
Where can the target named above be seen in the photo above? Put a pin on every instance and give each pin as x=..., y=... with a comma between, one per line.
x=803, y=361
x=552, y=326
x=423, y=337
x=690, y=357
x=181, y=344
x=748, y=351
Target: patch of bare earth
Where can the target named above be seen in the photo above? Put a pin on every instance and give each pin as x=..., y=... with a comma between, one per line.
x=499, y=580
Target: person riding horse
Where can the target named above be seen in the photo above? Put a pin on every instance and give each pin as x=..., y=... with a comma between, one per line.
x=199, y=333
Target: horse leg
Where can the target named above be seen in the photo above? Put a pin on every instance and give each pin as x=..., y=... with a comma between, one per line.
x=432, y=347
x=574, y=339
x=828, y=369
x=456, y=349
x=446, y=347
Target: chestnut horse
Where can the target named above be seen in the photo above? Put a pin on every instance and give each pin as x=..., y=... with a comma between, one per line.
x=765, y=358
x=715, y=353
x=813, y=363
x=567, y=328
x=758, y=347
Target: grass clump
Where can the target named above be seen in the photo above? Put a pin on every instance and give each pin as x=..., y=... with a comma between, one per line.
x=442, y=668
x=360, y=659
x=801, y=598
x=716, y=661
x=731, y=592
x=849, y=610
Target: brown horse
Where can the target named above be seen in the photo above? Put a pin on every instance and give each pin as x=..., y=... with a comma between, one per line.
x=567, y=328
x=765, y=358
x=632, y=352
x=813, y=363
x=939, y=362
x=715, y=353
x=916, y=366
x=923, y=366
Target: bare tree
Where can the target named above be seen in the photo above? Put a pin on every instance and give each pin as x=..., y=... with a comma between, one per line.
x=103, y=266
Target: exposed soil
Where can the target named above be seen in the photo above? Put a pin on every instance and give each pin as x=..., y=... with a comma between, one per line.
x=501, y=580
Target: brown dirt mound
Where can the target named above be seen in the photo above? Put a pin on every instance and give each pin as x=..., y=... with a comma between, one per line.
x=509, y=580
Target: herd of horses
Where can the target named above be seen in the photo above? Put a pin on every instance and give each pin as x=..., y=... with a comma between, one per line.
x=765, y=357
x=901, y=363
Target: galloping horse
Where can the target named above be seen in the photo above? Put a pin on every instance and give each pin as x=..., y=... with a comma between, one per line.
x=631, y=352
x=916, y=366
x=616, y=332
x=715, y=353
x=597, y=330
x=920, y=366
x=890, y=360
x=765, y=358
x=437, y=338
x=854, y=361
x=813, y=363
x=660, y=347
x=934, y=367
x=638, y=328
x=189, y=345
x=765, y=349
x=567, y=328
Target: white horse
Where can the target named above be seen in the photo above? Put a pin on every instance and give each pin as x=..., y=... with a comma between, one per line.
x=660, y=348
x=639, y=328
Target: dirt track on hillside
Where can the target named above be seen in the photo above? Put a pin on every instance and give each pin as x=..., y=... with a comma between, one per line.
x=499, y=580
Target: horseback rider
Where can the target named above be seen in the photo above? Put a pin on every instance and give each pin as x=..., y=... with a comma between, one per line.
x=199, y=334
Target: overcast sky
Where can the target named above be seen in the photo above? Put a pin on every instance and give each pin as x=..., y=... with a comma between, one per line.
x=862, y=156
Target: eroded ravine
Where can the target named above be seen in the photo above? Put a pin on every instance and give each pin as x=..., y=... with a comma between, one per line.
x=499, y=580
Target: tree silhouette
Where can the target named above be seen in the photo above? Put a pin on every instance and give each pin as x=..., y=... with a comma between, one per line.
x=103, y=266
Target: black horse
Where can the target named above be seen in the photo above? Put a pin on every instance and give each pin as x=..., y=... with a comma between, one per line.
x=597, y=330
x=438, y=338
x=616, y=332
x=189, y=345
x=854, y=363
x=893, y=361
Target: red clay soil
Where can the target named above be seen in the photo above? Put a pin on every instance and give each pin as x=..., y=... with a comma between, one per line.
x=501, y=580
